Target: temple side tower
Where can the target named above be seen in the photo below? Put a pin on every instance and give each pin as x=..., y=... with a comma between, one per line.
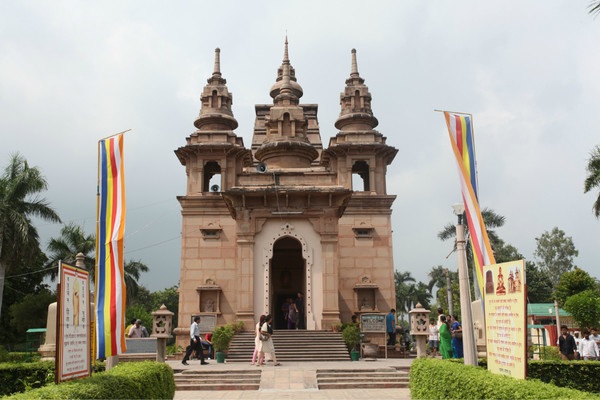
x=263, y=224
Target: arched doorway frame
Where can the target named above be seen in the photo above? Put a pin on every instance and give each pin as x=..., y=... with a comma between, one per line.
x=288, y=230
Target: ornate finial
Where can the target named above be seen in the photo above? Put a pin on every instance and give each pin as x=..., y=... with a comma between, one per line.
x=217, y=70
x=286, y=57
x=354, y=70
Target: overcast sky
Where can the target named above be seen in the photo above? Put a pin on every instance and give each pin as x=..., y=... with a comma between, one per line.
x=72, y=72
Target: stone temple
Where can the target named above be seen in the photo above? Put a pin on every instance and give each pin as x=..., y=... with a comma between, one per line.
x=286, y=215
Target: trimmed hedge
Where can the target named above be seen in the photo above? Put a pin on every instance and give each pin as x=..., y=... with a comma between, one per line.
x=139, y=380
x=572, y=374
x=440, y=379
x=17, y=378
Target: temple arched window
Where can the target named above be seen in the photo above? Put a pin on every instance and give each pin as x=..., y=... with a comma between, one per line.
x=212, y=177
x=360, y=176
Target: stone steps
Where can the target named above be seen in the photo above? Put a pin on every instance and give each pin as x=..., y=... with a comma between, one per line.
x=218, y=380
x=293, y=345
x=380, y=378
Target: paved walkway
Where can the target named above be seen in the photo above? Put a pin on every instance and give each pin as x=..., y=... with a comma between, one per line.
x=294, y=380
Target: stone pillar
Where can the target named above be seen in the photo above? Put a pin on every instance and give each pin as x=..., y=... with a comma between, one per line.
x=245, y=280
x=419, y=327
x=48, y=349
x=331, y=309
x=162, y=326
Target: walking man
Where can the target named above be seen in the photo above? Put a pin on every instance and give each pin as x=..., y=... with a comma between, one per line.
x=566, y=344
x=588, y=349
x=195, y=343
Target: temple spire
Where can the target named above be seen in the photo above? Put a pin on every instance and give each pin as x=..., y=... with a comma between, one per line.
x=217, y=69
x=354, y=70
x=216, y=112
x=355, y=101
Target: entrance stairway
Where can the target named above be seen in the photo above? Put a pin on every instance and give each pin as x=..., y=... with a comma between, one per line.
x=293, y=345
x=217, y=380
x=374, y=378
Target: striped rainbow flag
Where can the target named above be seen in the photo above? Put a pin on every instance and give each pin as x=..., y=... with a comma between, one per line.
x=460, y=129
x=110, y=283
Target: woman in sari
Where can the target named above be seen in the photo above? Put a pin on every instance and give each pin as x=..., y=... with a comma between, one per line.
x=445, y=339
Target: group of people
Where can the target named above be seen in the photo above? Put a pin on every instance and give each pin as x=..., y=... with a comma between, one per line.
x=445, y=336
x=585, y=348
x=293, y=312
x=263, y=343
x=136, y=330
x=198, y=344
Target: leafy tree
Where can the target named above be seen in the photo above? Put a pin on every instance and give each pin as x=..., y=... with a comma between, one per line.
x=504, y=252
x=20, y=186
x=438, y=279
x=554, y=254
x=491, y=221
x=133, y=271
x=585, y=308
x=26, y=278
x=592, y=181
x=31, y=311
x=539, y=286
x=404, y=283
x=573, y=282
x=71, y=242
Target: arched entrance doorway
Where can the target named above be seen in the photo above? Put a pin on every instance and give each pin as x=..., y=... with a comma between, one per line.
x=288, y=278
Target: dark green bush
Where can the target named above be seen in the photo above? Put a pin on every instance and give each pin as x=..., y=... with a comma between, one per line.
x=19, y=357
x=17, y=378
x=135, y=380
x=569, y=374
x=440, y=379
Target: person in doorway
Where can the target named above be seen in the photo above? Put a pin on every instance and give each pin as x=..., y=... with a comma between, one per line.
x=292, y=315
x=266, y=342
x=566, y=344
x=390, y=327
x=445, y=338
x=285, y=308
x=300, y=307
x=259, y=324
x=195, y=343
x=457, y=342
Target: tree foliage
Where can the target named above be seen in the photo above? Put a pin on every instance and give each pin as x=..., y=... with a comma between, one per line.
x=31, y=311
x=20, y=186
x=573, y=282
x=539, y=286
x=555, y=253
x=72, y=241
x=592, y=181
x=585, y=308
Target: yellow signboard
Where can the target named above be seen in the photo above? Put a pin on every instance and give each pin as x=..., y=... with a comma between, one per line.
x=506, y=318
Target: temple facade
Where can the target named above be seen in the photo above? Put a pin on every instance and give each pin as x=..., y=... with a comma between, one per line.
x=285, y=216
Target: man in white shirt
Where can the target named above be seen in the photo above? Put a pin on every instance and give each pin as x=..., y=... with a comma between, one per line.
x=588, y=349
x=595, y=336
x=195, y=343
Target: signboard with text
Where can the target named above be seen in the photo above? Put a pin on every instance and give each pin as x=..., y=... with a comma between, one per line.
x=73, y=338
x=374, y=323
x=506, y=318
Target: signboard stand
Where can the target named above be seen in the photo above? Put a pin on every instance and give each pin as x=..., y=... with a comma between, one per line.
x=373, y=323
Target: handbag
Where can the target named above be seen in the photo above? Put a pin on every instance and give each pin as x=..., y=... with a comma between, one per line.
x=263, y=337
x=457, y=335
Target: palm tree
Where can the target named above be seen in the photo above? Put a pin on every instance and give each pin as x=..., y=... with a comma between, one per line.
x=404, y=290
x=20, y=185
x=133, y=270
x=594, y=7
x=491, y=221
x=72, y=241
x=593, y=168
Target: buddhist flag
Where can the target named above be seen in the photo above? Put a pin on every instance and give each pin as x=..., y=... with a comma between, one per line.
x=460, y=129
x=110, y=283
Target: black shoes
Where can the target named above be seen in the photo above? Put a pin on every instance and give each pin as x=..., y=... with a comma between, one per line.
x=203, y=363
x=184, y=362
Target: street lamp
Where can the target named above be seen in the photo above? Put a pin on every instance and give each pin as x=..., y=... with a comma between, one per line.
x=469, y=348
